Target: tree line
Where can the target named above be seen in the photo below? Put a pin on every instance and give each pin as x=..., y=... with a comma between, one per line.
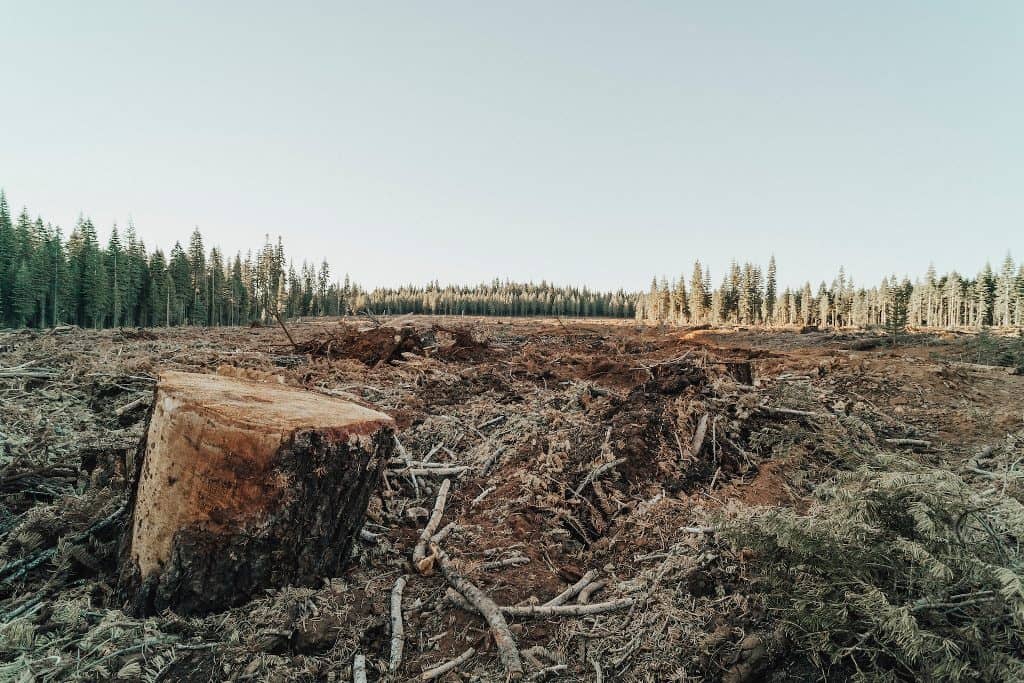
x=749, y=295
x=47, y=280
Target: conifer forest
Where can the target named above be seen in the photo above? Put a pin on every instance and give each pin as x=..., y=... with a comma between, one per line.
x=47, y=279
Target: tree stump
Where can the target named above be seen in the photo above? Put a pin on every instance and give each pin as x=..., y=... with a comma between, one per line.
x=242, y=486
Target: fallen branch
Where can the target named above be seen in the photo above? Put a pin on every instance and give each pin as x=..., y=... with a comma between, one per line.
x=441, y=670
x=419, y=553
x=286, y=332
x=794, y=412
x=127, y=407
x=697, y=442
x=359, y=669
x=527, y=611
x=434, y=471
x=492, y=422
x=909, y=442
x=408, y=465
x=534, y=654
x=443, y=533
x=489, y=610
x=397, y=628
x=24, y=566
x=548, y=671
x=571, y=592
x=491, y=461
x=26, y=371
x=507, y=562
x=567, y=610
x=597, y=472
x=589, y=591
x=483, y=494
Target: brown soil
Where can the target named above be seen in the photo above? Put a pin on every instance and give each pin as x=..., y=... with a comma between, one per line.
x=532, y=408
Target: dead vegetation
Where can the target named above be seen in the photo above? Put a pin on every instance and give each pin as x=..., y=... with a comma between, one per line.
x=565, y=501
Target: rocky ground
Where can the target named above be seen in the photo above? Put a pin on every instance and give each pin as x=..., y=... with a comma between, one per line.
x=607, y=455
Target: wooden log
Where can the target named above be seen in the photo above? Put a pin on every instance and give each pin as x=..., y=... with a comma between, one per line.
x=241, y=486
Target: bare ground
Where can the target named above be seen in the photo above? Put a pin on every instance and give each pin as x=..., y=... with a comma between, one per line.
x=532, y=409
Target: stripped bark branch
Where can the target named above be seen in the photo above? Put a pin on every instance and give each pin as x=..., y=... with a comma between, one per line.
x=397, y=628
x=419, y=553
x=489, y=610
x=441, y=670
x=571, y=592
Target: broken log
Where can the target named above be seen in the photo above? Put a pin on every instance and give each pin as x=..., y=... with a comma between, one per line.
x=241, y=486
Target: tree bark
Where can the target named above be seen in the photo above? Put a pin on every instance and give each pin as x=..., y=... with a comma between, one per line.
x=242, y=486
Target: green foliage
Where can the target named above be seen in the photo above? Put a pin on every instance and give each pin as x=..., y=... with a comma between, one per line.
x=44, y=281
x=901, y=570
x=988, y=349
x=897, y=311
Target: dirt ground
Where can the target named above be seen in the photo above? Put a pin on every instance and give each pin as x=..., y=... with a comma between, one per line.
x=589, y=446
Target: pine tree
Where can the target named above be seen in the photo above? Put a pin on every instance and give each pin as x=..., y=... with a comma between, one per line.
x=197, y=312
x=1004, y=293
x=698, y=306
x=7, y=265
x=897, y=310
x=770, y=292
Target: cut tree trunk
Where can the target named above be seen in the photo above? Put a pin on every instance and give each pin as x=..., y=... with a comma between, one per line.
x=241, y=486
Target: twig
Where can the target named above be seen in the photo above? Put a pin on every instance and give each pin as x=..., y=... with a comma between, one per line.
x=443, y=533
x=494, y=421
x=597, y=472
x=489, y=610
x=441, y=670
x=483, y=494
x=359, y=668
x=460, y=601
x=547, y=671
x=534, y=654
x=492, y=460
x=589, y=591
x=376, y=322
x=794, y=412
x=408, y=465
x=567, y=610
x=698, y=437
x=419, y=553
x=909, y=442
x=286, y=332
x=571, y=592
x=24, y=566
x=507, y=562
x=26, y=371
x=434, y=471
x=397, y=628
x=141, y=400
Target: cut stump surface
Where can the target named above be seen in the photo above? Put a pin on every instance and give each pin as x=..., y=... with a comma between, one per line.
x=245, y=485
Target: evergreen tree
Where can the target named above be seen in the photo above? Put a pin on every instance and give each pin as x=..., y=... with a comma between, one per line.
x=770, y=292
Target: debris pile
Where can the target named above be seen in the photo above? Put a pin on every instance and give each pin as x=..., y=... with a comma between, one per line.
x=560, y=501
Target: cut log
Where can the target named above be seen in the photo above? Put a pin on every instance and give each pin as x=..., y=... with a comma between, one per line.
x=241, y=486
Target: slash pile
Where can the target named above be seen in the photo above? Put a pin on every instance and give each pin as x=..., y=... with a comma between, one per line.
x=587, y=501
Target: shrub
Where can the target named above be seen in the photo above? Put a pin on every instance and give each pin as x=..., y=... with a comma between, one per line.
x=900, y=570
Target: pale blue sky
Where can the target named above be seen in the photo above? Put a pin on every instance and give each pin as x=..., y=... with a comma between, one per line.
x=595, y=143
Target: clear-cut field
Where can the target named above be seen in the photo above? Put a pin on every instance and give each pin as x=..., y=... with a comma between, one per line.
x=572, y=447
